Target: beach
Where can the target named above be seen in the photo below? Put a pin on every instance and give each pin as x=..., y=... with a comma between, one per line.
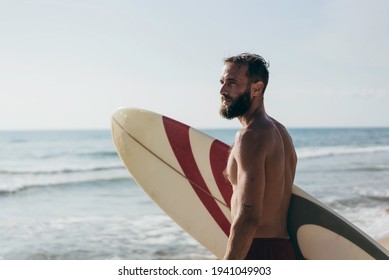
x=67, y=195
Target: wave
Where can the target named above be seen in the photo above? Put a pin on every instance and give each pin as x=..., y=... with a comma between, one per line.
x=100, y=154
x=7, y=190
x=360, y=201
x=63, y=154
x=318, y=152
x=372, y=168
x=384, y=199
x=65, y=170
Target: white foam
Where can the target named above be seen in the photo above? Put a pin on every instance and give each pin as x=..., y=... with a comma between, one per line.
x=373, y=220
x=315, y=152
x=14, y=183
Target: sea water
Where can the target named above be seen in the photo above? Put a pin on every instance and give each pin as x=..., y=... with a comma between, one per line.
x=66, y=194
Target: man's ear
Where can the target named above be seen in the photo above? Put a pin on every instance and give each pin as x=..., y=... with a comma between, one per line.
x=257, y=88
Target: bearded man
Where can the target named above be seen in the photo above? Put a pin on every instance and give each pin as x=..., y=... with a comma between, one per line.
x=261, y=165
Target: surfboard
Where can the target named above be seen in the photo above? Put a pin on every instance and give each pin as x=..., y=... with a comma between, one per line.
x=181, y=169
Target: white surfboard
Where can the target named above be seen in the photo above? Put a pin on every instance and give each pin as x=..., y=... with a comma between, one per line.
x=181, y=169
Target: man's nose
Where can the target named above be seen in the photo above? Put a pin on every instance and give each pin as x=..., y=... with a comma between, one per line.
x=223, y=91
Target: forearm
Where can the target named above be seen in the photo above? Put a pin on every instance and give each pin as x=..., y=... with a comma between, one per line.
x=241, y=236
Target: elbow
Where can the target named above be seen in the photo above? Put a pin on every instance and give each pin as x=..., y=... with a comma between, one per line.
x=248, y=218
x=252, y=222
x=248, y=222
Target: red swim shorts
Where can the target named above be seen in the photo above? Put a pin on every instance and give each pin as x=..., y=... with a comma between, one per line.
x=271, y=249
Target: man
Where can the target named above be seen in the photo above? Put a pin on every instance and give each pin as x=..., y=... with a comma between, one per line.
x=261, y=165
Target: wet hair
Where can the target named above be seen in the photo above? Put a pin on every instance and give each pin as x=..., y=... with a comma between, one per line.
x=257, y=67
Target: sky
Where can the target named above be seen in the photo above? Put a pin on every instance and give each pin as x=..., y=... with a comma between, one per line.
x=70, y=64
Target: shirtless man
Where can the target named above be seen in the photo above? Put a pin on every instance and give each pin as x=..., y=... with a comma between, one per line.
x=261, y=165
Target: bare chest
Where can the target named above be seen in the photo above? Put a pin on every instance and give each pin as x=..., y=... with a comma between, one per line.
x=231, y=169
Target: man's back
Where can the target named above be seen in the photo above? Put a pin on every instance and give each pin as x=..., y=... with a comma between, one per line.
x=280, y=191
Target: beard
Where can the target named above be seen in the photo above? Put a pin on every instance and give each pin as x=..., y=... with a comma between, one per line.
x=238, y=107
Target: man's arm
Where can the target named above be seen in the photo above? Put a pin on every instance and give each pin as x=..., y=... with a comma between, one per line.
x=250, y=155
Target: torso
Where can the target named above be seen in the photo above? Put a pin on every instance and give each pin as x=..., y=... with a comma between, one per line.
x=280, y=168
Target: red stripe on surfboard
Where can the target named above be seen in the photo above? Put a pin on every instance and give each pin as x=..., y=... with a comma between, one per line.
x=218, y=157
x=178, y=135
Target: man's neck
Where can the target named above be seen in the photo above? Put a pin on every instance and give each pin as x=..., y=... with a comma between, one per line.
x=256, y=111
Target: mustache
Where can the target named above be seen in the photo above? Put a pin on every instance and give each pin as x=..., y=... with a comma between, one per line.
x=226, y=98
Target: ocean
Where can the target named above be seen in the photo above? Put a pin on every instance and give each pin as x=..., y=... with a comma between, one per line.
x=66, y=195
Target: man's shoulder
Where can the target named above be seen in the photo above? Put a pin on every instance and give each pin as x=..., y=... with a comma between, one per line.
x=282, y=130
x=279, y=125
x=255, y=136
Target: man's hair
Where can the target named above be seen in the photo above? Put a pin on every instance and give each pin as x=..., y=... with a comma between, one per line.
x=257, y=67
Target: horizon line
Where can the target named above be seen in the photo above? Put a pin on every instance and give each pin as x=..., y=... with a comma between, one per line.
x=198, y=128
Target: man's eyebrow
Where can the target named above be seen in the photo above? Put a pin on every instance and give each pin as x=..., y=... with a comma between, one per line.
x=228, y=79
